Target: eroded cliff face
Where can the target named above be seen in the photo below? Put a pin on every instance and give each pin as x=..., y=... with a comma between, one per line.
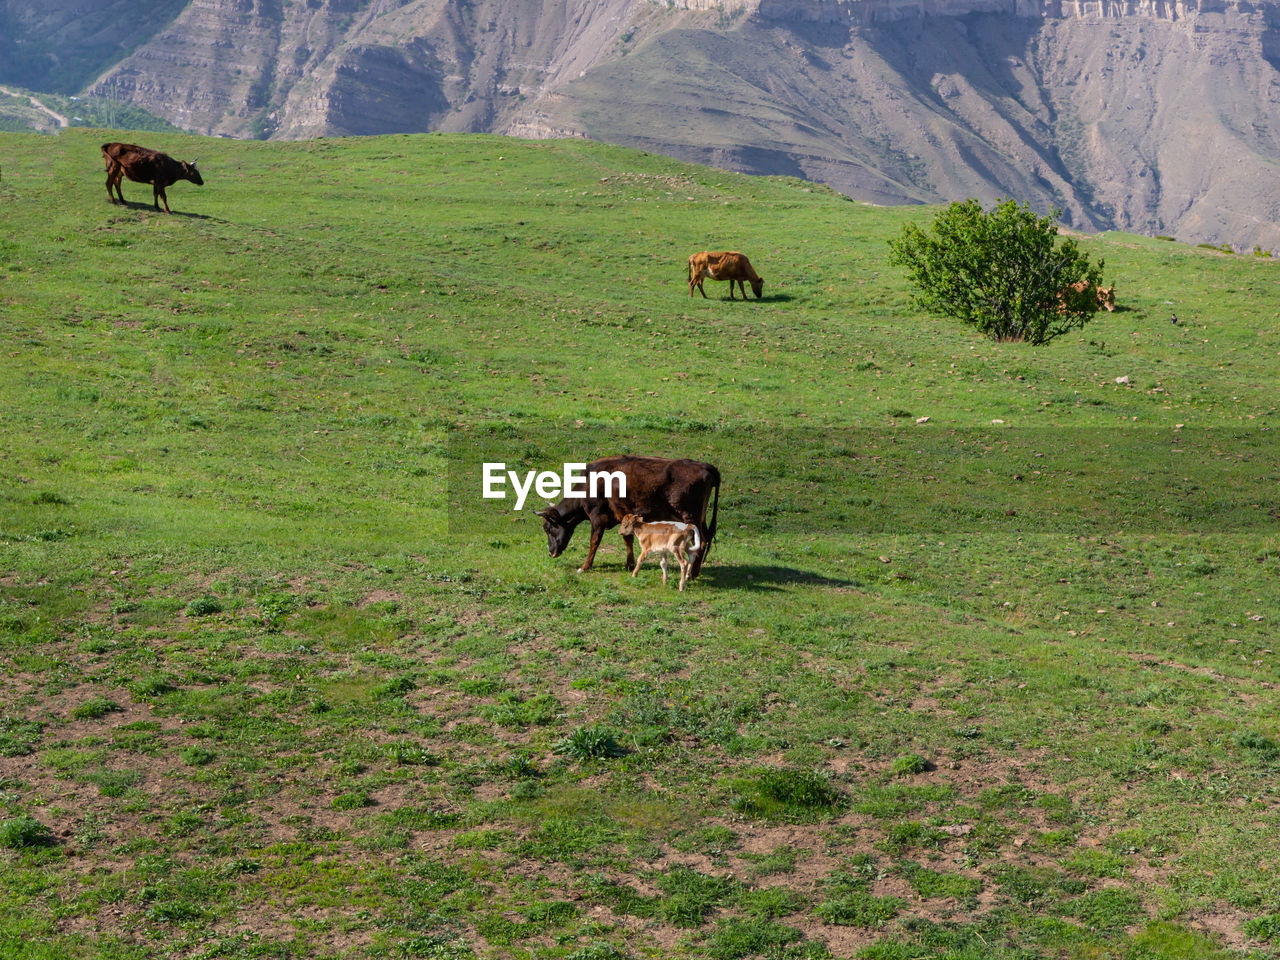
x=299, y=68
x=886, y=11
x=1154, y=115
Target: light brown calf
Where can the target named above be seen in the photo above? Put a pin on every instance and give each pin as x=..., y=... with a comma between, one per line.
x=663, y=537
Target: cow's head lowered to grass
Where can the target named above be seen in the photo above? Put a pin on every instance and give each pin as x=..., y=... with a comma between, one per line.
x=559, y=529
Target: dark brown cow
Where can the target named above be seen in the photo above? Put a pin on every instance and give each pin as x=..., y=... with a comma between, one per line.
x=657, y=489
x=146, y=166
x=723, y=265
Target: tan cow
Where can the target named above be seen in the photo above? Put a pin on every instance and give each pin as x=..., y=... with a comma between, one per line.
x=1078, y=295
x=724, y=265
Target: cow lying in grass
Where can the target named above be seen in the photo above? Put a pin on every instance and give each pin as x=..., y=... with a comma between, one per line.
x=723, y=265
x=146, y=166
x=663, y=537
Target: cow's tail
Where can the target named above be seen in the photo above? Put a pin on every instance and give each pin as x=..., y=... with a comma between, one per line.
x=697, y=540
x=711, y=529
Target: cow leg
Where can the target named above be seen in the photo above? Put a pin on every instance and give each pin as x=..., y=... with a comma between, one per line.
x=597, y=532
x=629, y=540
x=643, y=553
x=695, y=558
x=160, y=195
x=700, y=290
x=663, y=564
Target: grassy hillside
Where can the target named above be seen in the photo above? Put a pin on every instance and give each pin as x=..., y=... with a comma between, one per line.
x=273, y=686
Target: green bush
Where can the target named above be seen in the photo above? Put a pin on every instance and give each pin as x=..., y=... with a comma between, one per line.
x=411, y=754
x=857, y=908
x=18, y=737
x=196, y=756
x=781, y=794
x=274, y=608
x=1109, y=911
x=352, y=801
x=590, y=743
x=1265, y=927
x=734, y=938
x=147, y=687
x=203, y=607
x=22, y=832
x=908, y=764
x=94, y=708
x=599, y=950
x=688, y=896
x=393, y=687
x=1002, y=271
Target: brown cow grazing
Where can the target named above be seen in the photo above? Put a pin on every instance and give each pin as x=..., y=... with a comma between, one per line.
x=146, y=166
x=1084, y=296
x=656, y=487
x=723, y=265
x=663, y=537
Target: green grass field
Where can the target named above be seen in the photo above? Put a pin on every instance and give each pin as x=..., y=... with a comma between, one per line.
x=276, y=685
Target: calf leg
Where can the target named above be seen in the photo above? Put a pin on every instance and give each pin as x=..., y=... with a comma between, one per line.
x=639, y=560
x=663, y=564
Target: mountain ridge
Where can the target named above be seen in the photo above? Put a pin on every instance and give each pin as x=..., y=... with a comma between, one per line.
x=1157, y=116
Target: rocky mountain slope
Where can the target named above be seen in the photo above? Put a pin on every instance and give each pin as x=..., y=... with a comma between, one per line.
x=1158, y=116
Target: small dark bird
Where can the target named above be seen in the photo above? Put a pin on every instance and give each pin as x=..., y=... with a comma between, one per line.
x=1173, y=319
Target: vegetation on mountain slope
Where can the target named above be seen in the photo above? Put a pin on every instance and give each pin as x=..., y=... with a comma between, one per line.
x=273, y=686
x=1157, y=118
